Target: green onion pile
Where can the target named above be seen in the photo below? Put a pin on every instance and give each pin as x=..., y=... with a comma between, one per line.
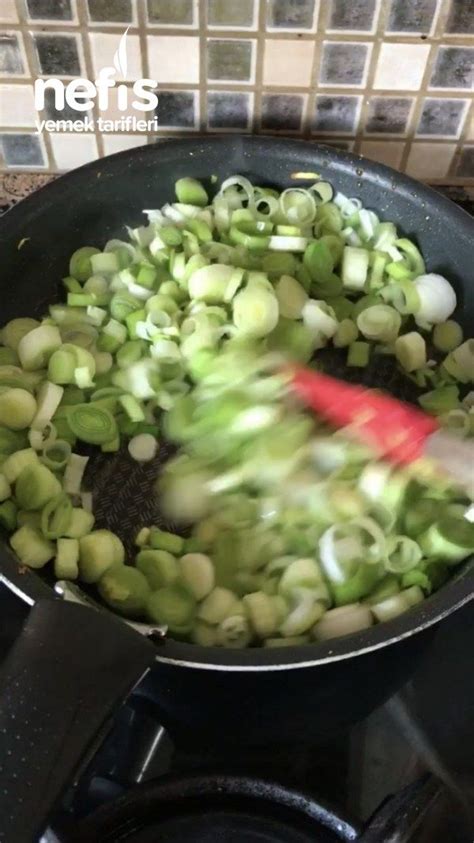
x=291, y=532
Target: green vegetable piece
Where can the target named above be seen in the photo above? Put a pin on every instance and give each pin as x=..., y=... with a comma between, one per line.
x=191, y=192
x=158, y=566
x=172, y=606
x=67, y=557
x=80, y=266
x=8, y=513
x=125, y=590
x=161, y=540
x=31, y=547
x=35, y=486
x=319, y=261
x=92, y=424
x=358, y=354
x=98, y=552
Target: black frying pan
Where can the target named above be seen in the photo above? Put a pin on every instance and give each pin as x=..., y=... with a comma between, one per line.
x=73, y=664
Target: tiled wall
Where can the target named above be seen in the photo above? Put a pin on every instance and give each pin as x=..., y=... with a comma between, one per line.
x=391, y=79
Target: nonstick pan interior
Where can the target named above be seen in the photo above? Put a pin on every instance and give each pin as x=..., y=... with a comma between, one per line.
x=94, y=203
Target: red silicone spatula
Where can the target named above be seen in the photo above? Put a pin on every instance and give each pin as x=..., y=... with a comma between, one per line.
x=397, y=431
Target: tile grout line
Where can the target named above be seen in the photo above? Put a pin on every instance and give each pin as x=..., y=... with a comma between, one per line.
x=442, y=11
x=310, y=110
x=255, y=113
x=203, y=81
x=141, y=26
x=89, y=69
x=382, y=10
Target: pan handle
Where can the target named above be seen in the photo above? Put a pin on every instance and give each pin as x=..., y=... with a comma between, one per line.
x=62, y=681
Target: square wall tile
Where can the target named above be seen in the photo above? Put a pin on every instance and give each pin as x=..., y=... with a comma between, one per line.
x=230, y=60
x=356, y=16
x=229, y=110
x=11, y=60
x=17, y=105
x=171, y=12
x=173, y=58
x=461, y=18
x=117, y=143
x=291, y=14
x=227, y=14
x=72, y=151
x=287, y=62
x=401, y=66
x=442, y=117
x=412, y=16
x=344, y=63
x=465, y=165
x=282, y=112
x=104, y=47
x=110, y=11
x=336, y=114
x=49, y=9
x=454, y=68
x=8, y=11
x=388, y=115
x=58, y=55
x=385, y=152
x=22, y=150
x=176, y=109
x=430, y=160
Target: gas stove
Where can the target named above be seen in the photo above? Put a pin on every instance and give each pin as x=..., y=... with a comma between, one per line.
x=406, y=773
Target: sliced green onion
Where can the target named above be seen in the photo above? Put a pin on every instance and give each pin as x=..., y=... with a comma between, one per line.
x=125, y=590
x=5, y=488
x=56, y=454
x=98, y=552
x=80, y=266
x=56, y=516
x=143, y=448
x=358, y=354
x=66, y=565
x=14, y=331
x=255, y=311
x=16, y=462
x=191, y=192
x=437, y=299
x=35, y=486
x=447, y=336
x=17, y=409
x=36, y=347
x=48, y=401
x=343, y=621
x=379, y=323
x=410, y=351
x=31, y=547
x=355, y=265
x=346, y=333
x=92, y=424
x=390, y=608
x=8, y=515
x=440, y=400
x=197, y=574
x=291, y=297
x=403, y=554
